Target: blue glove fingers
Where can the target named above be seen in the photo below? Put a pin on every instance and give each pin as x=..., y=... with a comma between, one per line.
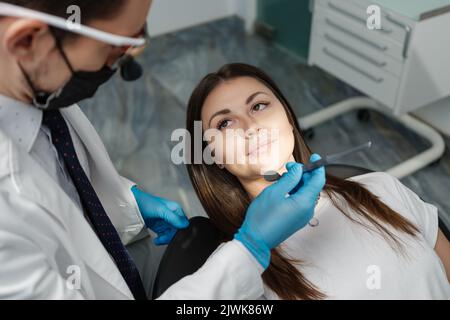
x=271, y=218
x=316, y=179
x=288, y=180
x=178, y=210
x=154, y=208
x=164, y=232
x=172, y=218
x=307, y=175
x=300, y=184
x=165, y=238
x=313, y=183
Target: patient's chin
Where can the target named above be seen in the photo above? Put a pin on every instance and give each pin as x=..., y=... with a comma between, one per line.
x=267, y=164
x=275, y=157
x=257, y=165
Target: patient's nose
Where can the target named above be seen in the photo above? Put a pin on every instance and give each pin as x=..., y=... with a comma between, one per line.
x=251, y=132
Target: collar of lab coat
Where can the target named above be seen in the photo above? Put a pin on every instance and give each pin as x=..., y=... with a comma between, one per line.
x=20, y=121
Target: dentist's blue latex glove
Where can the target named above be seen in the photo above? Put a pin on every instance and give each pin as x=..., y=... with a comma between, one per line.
x=273, y=217
x=164, y=217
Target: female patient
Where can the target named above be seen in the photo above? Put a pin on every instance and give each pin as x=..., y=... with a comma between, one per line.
x=372, y=237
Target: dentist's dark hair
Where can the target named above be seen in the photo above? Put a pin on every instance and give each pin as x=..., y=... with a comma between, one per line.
x=90, y=9
x=226, y=201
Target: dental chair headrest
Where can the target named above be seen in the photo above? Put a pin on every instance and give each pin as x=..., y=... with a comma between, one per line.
x=187, y=252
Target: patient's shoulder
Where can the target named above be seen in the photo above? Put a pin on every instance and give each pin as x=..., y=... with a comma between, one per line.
x=377, y=180
x=404, y=201
x=385, y=186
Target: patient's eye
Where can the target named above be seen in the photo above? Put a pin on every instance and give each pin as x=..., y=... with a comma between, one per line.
x=223, y=124
x=260, y=106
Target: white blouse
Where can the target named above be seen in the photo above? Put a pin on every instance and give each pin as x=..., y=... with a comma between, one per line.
x=346, y=261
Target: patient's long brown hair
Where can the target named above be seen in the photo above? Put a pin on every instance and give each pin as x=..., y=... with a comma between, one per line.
x=226, y=201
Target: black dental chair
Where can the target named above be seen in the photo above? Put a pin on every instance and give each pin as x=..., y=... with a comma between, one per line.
x=191, y=247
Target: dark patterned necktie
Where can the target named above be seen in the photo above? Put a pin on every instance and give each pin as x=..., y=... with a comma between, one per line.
x=99, y=219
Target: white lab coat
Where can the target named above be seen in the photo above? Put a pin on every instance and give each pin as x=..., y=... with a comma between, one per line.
x=48, y=250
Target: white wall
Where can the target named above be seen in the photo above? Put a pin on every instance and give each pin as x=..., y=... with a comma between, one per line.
x=246, y=9
x=171, y=15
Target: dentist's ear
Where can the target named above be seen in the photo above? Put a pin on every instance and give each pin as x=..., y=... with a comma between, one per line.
x=28, y=40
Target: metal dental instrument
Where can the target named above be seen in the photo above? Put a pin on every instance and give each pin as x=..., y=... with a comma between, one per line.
x=272, y=176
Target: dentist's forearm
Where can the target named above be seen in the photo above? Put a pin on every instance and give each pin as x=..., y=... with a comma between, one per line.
x=231, y=273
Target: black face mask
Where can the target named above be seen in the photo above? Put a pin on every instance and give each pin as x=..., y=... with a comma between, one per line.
x=82, y=85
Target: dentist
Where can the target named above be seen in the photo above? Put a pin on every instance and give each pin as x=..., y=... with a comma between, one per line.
x=66, y=215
